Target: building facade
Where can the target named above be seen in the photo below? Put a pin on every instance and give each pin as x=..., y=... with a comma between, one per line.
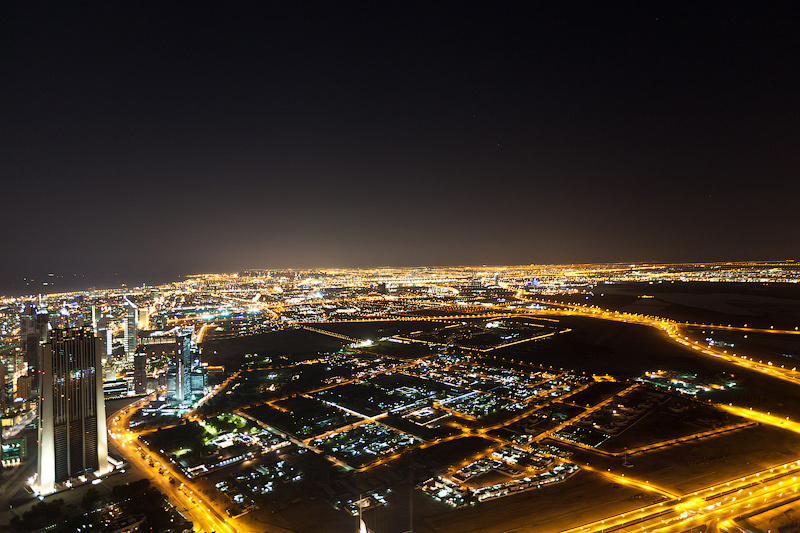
x=140, y=370
x=131, y=323
x=186, y=379
x=72, y=419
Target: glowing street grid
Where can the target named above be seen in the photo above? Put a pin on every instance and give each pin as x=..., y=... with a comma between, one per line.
x=362, y=444
x=476, y=405
x=511, y=384
x=396, y=405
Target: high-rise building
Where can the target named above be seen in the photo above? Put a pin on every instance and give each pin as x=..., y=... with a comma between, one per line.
x=24, y=387
x=186, y=379
x=131, y=322
x=96, y=313
x=4, y=386
x=144, y=318
x=140, y=370
x=105, y=334
x=183, y=363
x=34, y=328
x=43, y=326
x=72, y=419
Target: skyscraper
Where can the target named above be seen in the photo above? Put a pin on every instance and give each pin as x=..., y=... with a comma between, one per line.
x=186, y=380
x=105, y=334
x=96, y=313
x=35, y=328
x=72, y=418
x=4, y=388
x=183, y=362
x=131, y=321
x=140, y=370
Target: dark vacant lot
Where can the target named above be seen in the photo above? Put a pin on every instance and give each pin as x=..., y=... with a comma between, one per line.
x=755, y=304
x=597, y=346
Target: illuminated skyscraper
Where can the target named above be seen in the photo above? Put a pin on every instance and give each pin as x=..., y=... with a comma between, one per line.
x=4, y=387
x=105, y=335
x=186, y=380
x=131, y=321
x=183, y=362
x=96, y=313
x=72, y=417
x=140, y=370
x=34, y=328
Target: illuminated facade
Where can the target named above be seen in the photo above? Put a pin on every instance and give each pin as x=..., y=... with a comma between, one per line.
x=186, y=380
x=131, y=323
x=140, y=370
x=72, y=419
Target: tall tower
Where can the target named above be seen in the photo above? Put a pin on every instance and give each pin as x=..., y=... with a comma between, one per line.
x=4, y=389
x=131, y=321
x=35, y=328
x=105, y=334
x=29, y=338
x=140, y=370
x=183, y=364
x=72, y=416
x=96, y=314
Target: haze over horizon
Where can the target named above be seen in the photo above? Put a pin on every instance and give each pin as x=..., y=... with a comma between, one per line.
x=144, y=142
x=52, y=283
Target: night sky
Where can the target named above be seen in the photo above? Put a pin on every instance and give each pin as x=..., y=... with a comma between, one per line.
x=142, y=141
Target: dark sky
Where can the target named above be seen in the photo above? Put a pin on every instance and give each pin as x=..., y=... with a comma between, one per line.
x=141, y=141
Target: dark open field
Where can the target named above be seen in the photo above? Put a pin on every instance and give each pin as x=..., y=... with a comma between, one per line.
x=689, y=466
x=546, y=510
x=779, y=348
x=294, y=342
x=375, y=330
x=756, y=304
x=628, y=350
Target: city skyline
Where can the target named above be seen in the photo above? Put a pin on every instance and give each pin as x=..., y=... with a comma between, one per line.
x=567, y=398
x=147, y=142
x=425, y=267
x=785, y=270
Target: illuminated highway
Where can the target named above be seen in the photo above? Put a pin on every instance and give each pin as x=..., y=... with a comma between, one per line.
x=715, y=504
x=674, y=331
x=714, y=507
x=180, y=490
x=764, y=418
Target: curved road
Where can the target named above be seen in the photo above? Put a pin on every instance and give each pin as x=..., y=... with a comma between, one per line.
x=182, y=494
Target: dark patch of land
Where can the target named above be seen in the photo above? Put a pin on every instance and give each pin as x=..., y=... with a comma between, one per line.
x=781, y=349
x=757, y=304
x=297, y=343
x=597, y=346
x=439, y=456
x=399, y=350
x=596, y=393
x=689, y=466
x=376, y=330
x=547, y=510
x=673, y=419
x=302, y=417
